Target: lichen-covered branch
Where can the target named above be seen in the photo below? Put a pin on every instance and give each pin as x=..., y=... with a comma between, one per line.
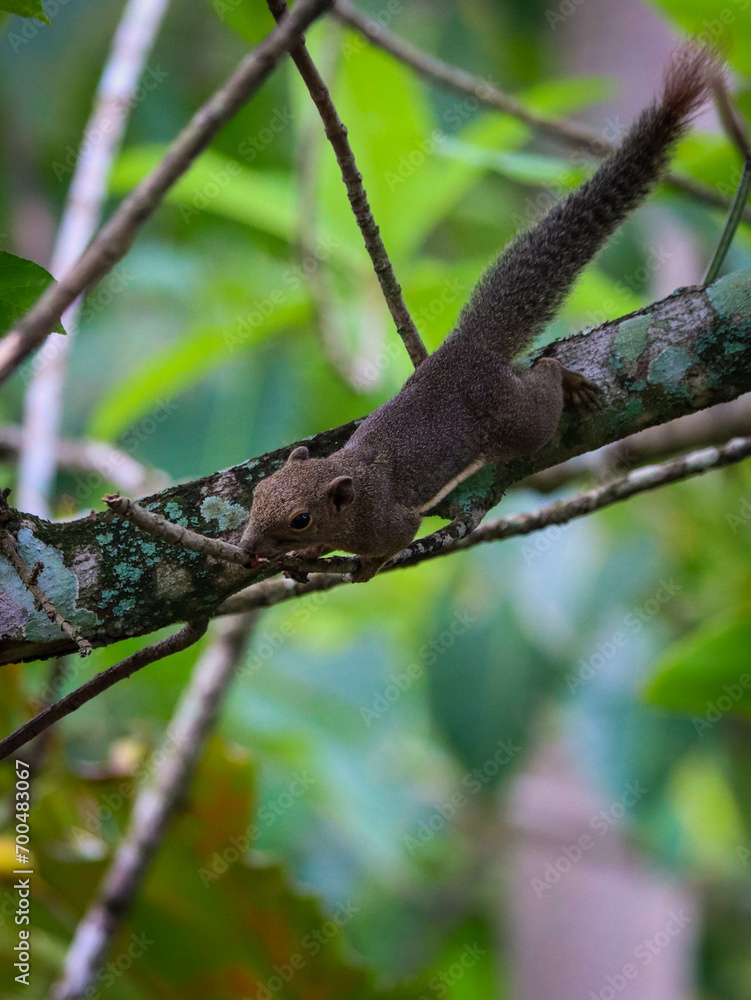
x=459, y=536
x=682, y=354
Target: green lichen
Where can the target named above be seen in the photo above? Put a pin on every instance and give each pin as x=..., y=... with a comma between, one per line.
x=731, y=295
x=228, y=516
x=123, y=607
x=629, y=342
x=58, y=582
x=669, y=367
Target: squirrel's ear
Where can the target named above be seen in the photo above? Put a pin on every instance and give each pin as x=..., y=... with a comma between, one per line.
x=341, y=492
x=299, y=454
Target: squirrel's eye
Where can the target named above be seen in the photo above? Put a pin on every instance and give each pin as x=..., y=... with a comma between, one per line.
x=300, y=521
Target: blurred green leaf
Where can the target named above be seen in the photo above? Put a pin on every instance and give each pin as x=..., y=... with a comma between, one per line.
x=707, y=671
x=248, y=19
x=182, y=364
x=217, y=184
x=727, y=25
x=25, y=8
x=527, y=168
x=21, y=283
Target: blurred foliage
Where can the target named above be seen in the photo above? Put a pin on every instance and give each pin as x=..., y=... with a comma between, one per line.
x=371, y=738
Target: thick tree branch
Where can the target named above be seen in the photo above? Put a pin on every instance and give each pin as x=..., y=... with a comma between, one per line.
x=187, y=635
x=454, y=78
x=444, y=542
x=115, y=237
x=155, y=805
x=679, y=355
x=336, y=133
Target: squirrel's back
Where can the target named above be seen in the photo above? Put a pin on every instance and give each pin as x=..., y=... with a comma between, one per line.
x=524, y=288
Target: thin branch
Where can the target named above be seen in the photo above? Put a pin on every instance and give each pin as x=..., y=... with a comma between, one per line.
x=155, y=805
x=187, y=635
x=177, y=534
x=29, y=579
x=452, y=538
x=110, y=464
x=43, y=403
x=115, y=237
x=736, y=130
x=562, y=130
x=336, y=133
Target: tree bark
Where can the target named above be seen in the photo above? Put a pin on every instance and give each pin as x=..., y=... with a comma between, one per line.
x=107, y=577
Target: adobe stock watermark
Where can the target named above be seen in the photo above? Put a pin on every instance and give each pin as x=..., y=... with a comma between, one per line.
x=471, y=784
x=599, y=824
x=271, y=810
x=643, y=955
x=311, y=944
x=444, y=981
x=151, y=78
x=116, y=968
x=128, y=444
x=633, y=623
x=29, y=27
x=293, y=277
x=455, y=117
x=354, y=42
x=731, y=695
x=427, y=655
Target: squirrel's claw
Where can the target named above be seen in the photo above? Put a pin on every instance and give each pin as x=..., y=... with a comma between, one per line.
x=579, y=391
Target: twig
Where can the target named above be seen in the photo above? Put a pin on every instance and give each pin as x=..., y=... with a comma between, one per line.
x=177, y=534
x=572, y=133
x=735, y=128
x=104, y=130
x=450, y=539
x=155, y=805
x=327, y=319
x=187, y=635
x=109, y=463
x=115, y=237
x=41, y=601
x=336, y=133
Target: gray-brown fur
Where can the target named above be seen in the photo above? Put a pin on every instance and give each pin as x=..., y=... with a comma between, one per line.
x=466, y=405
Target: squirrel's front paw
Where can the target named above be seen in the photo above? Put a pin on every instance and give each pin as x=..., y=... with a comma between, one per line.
x=579, y=391
x=366, y=570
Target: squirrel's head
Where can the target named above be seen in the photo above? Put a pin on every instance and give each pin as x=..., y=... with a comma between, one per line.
x=300, y=505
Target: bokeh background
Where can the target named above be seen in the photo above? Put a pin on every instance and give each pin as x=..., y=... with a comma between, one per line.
x=404, y=773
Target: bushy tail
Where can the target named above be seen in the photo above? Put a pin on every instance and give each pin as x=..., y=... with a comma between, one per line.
x=523, y=290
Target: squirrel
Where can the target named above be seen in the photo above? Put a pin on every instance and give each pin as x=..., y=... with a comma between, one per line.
x=467, y=404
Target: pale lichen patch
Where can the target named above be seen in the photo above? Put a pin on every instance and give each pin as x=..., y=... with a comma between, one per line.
x=58, y=582
x=228, y=516
x=173, y=582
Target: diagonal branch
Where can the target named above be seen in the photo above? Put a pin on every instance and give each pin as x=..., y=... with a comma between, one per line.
x=446, y=75
x=683, y=354
x=187, y=635
x=43, y=403
x=114, y=239
x=155, y=805
x=441, y=543
x=336, y=133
